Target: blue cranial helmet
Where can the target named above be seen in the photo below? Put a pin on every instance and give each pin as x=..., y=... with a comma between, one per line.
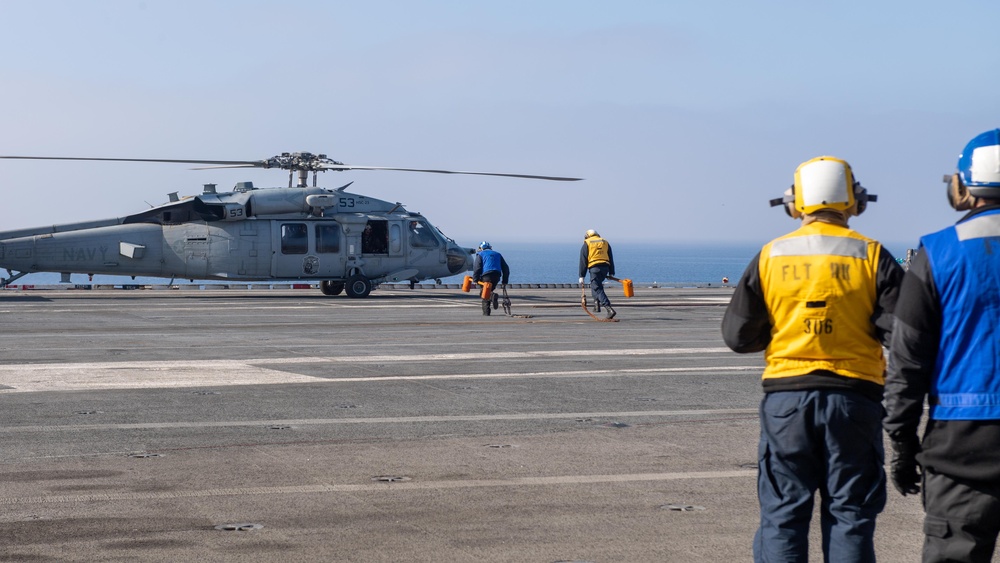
x=485, y=245
x=979, y=165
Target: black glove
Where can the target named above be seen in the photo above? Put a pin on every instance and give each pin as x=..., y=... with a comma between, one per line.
x=904, y=470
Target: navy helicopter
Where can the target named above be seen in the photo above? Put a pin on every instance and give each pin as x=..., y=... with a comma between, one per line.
x=346, y=241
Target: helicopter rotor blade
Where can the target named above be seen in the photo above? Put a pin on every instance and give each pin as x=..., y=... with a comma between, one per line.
x=244, y=163
x=530, y=176
x=224, y=166
x=292, y=162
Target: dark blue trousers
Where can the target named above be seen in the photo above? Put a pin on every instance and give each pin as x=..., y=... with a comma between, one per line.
x=598, y=273
x=819, y=440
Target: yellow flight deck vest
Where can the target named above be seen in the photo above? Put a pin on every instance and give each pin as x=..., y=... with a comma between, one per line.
x=819, y=286
x=597, y=251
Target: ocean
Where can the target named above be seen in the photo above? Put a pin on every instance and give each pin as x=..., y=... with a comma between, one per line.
x=673, y=264
x=643, y=263
x=667, y=264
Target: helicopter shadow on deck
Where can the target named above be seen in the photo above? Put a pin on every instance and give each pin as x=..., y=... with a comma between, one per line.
x=23, y=298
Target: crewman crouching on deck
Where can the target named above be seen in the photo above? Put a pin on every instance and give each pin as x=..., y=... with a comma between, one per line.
x=819, y=302
x=490, y=267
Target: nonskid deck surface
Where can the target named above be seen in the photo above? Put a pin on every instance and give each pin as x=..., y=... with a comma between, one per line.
x=285, y=425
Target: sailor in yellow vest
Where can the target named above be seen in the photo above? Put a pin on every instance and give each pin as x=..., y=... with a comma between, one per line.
x=819, y=303
x=596, y=257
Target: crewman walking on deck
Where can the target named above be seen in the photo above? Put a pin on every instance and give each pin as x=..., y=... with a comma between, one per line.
x=944, y=349
x=490, y=267
x=819, y=302
x=596, y=257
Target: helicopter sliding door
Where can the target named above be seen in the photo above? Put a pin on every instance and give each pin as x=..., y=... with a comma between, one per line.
x=375, y=237
x=379, y=246
x=291, y=258
x=307, y=250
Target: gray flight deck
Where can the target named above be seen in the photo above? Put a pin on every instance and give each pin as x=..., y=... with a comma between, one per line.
x=283, y=425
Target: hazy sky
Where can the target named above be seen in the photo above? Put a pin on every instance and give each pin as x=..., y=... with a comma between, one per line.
x=685, y=118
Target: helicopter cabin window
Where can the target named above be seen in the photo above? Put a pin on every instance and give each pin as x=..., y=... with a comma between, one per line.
x=328, y=238
x=294, y=238
x=374, y=239
x=394, y=238
x=421, y=235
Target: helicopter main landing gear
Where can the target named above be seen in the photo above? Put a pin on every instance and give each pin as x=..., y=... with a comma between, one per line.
x=358, y=286
x=4, y=282
x=331, y=287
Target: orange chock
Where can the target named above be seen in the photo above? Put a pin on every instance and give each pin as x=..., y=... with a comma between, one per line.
x=487, y=290
x=467, y=284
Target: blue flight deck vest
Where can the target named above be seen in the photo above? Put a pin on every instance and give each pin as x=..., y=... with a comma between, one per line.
x=491, y=261
x=965, y=265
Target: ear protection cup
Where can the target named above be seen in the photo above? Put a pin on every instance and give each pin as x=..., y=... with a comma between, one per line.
x=958, y=194
x=861, y=199
x=788, y=202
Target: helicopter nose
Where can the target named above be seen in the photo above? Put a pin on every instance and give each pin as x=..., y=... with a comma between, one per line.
x=460, y=259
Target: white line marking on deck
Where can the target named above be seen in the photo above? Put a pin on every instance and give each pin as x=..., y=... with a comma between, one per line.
x=381, y=487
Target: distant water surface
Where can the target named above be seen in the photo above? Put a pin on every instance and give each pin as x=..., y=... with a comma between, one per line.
x=665, y=263
x=643, y=263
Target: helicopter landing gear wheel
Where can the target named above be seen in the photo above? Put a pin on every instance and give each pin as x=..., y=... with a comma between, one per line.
x=331, y=287
x=358, y=286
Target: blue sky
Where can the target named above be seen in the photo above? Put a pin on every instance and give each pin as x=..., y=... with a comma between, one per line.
x=684, y=117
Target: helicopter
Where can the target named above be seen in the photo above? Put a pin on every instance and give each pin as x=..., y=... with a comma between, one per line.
x=348, y=242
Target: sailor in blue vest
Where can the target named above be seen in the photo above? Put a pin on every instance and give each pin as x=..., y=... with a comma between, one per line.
x=490, y=267
x=945, y=348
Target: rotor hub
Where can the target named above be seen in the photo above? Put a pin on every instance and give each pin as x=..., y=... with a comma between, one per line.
x=300, y=161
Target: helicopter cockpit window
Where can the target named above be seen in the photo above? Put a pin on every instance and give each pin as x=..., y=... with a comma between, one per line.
x=421, y=235
x=327, y=238
x=294, y=238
